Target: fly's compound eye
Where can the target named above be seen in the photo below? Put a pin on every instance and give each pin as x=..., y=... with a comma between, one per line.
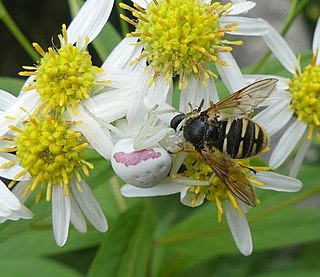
x=176, y=121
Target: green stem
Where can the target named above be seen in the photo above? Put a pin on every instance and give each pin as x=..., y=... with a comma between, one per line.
x=12, y=26
x=123, y=25
x=295, y=10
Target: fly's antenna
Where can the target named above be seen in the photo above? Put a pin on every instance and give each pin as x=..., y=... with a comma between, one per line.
x=201, y=105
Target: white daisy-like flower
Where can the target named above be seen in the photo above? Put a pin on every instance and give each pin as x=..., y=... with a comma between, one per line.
x=49, y=158
x=297, y=99
x=65, y=81
x=10, y=206
x=182, y=38
x=193, y=178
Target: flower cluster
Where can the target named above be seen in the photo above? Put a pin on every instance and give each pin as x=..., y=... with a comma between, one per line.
x=204, y=149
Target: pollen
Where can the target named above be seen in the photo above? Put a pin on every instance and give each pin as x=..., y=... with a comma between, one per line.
x=181, y=37
x=64, y=76
x=51, y=152
x=304, y=88
x=196, y=168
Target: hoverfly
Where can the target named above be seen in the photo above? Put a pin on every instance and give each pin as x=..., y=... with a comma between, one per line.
x=223, y=133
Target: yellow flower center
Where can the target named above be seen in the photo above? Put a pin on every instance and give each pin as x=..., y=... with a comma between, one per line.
x=51, y=152
x=196, y=168
x=65, y=76
x=181, y=37
x=304, y=90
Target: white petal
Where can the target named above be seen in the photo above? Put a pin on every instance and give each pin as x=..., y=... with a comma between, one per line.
x=137, y=112
x=160, y=88
x=27, y=100
x=61, y=210
x=8, y=199
x=24, y=105
x=165, y=112
x=278, y=182
x=177, y=161
x=187, y=198
x=90, y=206
x=316, y=40
x=98, y=137
x=6, y=100
x=77, y=217
x=19, y=191
x=274, y=117
x=3, y=219
x=280, y=49
x=298, y=159
x=90, y=20
x=12, y=172
x=244, y=207
x=282, y=84
x=159, y=190
x=287, y=143
x=239, y=8
x=24, y=213
x=195, y=92
x=126, y=51
x=230, y=74
x=247, y=26
x=111, y=105
x=238, y=1
x=4, y=211
x=121, y=78
x=240, y=230
x=12, y=216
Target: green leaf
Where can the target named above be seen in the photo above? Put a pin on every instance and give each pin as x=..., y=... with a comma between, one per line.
x=296, y=273
x=35, y=242
x=12, y=85
x=200, y=237
x=74, y=6
x=106, y=41
x=126, y=247
x=26, y=266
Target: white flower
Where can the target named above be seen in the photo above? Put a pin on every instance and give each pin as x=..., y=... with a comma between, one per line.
x=48, y=159
x=10, y=206
x=65, y=81
x=297, y=102
x=176, y=42
x=73, y=207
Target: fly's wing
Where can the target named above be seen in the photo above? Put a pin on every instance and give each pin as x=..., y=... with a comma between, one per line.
x=232, y=175
x=243, y=101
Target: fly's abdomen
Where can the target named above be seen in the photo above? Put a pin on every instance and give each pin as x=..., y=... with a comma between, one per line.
x=241, y=138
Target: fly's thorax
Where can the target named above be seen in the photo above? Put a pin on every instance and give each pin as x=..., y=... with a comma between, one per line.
x=194, y=130
x=239, y=138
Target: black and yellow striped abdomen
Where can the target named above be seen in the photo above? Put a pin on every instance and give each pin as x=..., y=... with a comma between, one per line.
x=238, y=138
